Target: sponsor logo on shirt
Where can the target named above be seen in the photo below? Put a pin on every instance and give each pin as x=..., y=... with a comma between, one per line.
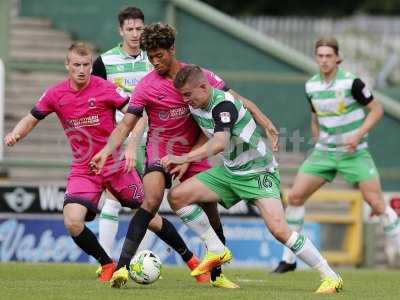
x=174, y=113
x=84, y=122
x=131, y=81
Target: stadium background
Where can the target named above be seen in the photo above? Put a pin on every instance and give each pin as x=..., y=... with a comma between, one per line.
x=34, y=37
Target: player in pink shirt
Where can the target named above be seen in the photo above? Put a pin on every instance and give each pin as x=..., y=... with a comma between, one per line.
x=86, y=105
x=172, y=130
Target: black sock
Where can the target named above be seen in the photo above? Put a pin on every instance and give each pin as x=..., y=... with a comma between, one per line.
x=218, y=270
x=88, y=242
x=170, y=236
x=136, y=231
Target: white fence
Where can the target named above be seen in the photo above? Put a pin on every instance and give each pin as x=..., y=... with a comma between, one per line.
x=366, y=43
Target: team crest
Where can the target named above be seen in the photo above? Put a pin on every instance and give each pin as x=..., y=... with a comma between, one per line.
x=92, y=102
x=163, y=115
x=225, y=117
x=340, y=94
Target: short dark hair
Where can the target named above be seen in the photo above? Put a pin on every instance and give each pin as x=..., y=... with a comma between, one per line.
x=128, y=13
x=157, y=35
x=188, y=73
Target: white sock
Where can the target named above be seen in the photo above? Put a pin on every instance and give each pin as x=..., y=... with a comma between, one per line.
x=391, y=226
x=306, y=251
x=108, y=224
x=295, y=219
x=196, y=219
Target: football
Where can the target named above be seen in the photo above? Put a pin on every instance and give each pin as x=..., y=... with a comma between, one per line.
x=145, y=267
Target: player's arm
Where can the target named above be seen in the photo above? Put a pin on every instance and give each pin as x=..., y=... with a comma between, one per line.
x=224, y=115
x=261, y=119
x=134, y=142
x=115, y=140
x=314, y=126
x=363, y=96
x=217, y=144
x=22, y=129
x=180, y=170
x=314, y=120
x=374, y=115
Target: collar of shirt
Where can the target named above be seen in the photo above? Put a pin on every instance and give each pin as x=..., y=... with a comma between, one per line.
x=127, y=56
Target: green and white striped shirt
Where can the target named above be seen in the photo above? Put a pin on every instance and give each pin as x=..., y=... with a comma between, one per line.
x=339, y=106
x=123, y=70
x=248, y=152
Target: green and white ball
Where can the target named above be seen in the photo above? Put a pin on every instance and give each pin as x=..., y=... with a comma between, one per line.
x=145, y=267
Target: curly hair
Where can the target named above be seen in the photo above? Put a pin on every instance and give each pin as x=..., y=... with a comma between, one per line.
x=157, y=35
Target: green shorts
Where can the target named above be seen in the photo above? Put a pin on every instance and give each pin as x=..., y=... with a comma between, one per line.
x=233, y=188
x=140, y=158
x=354, y=167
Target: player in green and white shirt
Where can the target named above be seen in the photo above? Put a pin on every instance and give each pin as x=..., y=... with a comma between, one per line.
x=340, y=126
x=249, y=172
x=124, y=65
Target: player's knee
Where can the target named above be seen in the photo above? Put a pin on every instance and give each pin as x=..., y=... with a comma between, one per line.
x=295, y=198
x=279, y=230
x=175, y=198
x=151, y=204
x=73, y=226
x=377, y=204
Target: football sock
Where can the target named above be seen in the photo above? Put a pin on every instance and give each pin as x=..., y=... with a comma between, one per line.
x=88, y=242
x=218, y=270
x=305, y=250
x=108, y=224
x=196, y=219
x=295, y=219
x=136, y=231
x=391, y=226
x=170, y=236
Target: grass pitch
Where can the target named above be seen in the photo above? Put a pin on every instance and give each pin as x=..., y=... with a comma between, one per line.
x=77, y=281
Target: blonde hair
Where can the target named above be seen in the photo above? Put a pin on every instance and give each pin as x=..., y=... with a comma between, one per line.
x=80, y=48
x=331, y=42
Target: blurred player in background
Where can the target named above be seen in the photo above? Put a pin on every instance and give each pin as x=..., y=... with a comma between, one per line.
x=340, y=128
x=249, y=172
x=171, y=130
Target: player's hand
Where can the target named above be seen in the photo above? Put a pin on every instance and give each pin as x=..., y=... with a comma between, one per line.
x=352, y=142
x=273, y=135
x=11, y=139
x=97, y=162
x=130, y=160
x=169, y=160
x=180, y=170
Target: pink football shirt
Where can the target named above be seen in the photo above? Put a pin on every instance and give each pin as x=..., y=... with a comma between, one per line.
x=87, y=116
x=172, y=129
